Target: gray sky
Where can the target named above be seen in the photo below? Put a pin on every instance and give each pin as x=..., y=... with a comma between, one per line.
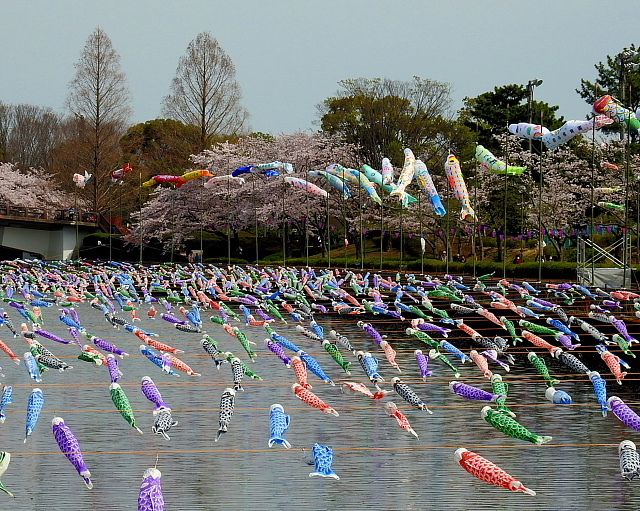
x=290, y=54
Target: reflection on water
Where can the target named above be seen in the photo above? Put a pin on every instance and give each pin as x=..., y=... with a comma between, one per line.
x=381, y=467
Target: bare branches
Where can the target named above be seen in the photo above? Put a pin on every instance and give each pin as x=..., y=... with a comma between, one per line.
x=28, y=134
x=99, y=101
x=205, y=93
x=98, y=90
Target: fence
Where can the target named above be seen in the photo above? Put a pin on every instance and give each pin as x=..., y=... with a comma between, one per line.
x=69, y=215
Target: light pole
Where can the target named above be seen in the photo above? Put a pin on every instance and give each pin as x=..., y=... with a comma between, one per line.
x=540, y=235
x=531, y=85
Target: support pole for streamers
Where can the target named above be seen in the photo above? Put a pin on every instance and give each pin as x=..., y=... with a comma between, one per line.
x=202, y=213
x=626, y=60
x=328, y=233
x=626, y=253
x=475, y=219
x=173, y=223
x=401, y=236
x=75, y=218
x=421, y=233
x=306, y=229
x=228, y=222
x=504, y=220
x=540, y=235
x=284, y=225
x=523, y=206
x=344, y=221
x=109, y=222
x=474, y=232
x=447, y=231
x=362, y=249
x=121, y=218
x=637, y=229
x=381, y=234
x=361, y=228
x=141, y=215
x=504, y=208
x=593, y=199
x=255, y=218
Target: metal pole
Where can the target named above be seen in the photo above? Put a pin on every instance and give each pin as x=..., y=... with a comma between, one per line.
x=228, y=222
x=306, y=229
x=255, y=216
x=504, y=228
x=75, y=213
x=625, y=233
x=109, y=222
x=344, y=220
x=284, y=228
x=475, y=223
x=446, y=234
x=540, y=236
x=361, y=227
x=524, y=202
x=381, y=234
x=202, y=210
x=328, y=234
x=141, y=215
x=590, y=230
x=530, y=88
x=173, y=223
x=401, y=235
x=421, y=234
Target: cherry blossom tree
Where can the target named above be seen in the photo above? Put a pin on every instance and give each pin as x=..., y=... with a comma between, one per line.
x=267, y=207
x=32, y=188
x=559, y=191
x=261, y=205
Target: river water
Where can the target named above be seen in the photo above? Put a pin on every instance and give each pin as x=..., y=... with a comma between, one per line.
x=381, y=466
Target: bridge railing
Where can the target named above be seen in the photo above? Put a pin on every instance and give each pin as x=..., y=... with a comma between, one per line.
x=69, y=215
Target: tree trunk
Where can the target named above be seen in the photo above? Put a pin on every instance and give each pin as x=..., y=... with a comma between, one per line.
x=499, y=245
x=386, y=241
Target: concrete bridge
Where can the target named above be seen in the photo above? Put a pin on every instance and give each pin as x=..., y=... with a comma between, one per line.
x=41, y=232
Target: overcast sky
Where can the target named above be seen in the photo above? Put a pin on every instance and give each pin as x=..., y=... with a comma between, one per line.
x=290, y=54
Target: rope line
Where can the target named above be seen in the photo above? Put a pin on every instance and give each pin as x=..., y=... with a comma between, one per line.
x=474, y=405
x=345, y=449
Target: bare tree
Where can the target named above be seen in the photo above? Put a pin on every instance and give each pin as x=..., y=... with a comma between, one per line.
x=34, y=133
x=99, y=101
x=204, y=91
x=5, y=125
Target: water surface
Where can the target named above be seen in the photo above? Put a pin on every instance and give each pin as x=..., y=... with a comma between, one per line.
x=381, y=467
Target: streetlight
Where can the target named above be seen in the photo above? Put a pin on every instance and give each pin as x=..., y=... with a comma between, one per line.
x=531, y=85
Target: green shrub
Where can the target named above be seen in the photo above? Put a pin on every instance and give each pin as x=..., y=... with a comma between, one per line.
x=222, y=261
x=570, y=255
x=490, y=242
x=93, y=238
x=524, y=271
